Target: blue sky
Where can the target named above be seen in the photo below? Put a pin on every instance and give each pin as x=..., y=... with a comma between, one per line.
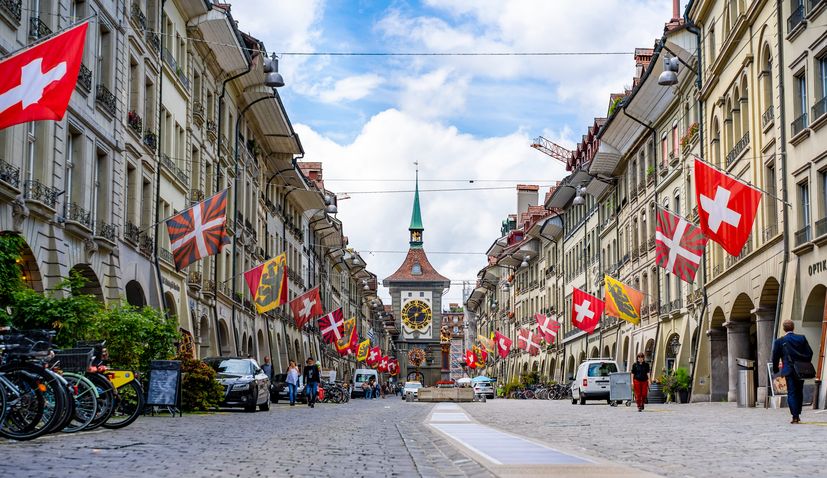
x=461, y=118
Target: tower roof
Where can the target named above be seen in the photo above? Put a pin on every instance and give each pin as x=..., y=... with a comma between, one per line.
x=416, y=215
x=416, y=268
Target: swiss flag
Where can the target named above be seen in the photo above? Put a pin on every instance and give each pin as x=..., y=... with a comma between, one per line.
x=679, y=245
x=548, y=327
x=470, y=359
x=529, y=341
x=726, y=207
x=306, y=307
x=503, y=344
x=586, y=310
x=374, y=356
x=383, y=364
x=36, y=83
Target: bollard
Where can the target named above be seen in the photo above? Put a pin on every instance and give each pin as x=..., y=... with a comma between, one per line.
x=482, y=398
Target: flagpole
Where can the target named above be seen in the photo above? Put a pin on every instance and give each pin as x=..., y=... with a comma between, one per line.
x=742, y=181
x=46, y=38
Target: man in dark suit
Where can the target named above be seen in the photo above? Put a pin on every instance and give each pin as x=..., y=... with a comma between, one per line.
x=791, y=348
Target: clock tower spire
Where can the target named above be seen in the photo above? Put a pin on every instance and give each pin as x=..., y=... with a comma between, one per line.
x=416, y=228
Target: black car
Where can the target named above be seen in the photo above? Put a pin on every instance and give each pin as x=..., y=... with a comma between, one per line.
x=279, y=391
x=245, y=384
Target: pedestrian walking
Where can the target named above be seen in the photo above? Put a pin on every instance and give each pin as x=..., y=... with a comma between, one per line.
x=797, y=357
x=312, y=377
x=267, y=368
x=292, y=381
x=640, y=374
x=377, y=389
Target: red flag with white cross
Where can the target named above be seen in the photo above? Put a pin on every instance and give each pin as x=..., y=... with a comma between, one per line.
x=374, y=356
x=332, y=326
x=679, y=245
x=503, y=344
x=470, y=359
x=37, y=83
x=529, y=341
x=586, y=310
x=382, y=367
x=547, y=327
x=306, y=306
x=726, y=207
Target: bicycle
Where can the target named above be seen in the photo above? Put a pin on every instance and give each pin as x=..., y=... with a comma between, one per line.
x=127, y=394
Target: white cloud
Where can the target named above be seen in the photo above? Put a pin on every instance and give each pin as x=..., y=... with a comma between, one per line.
x=439, y=93
x=351, y=88
x=466, y=221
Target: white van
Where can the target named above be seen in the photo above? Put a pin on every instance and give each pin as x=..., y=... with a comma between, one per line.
x=592, y=380
x=360, y=376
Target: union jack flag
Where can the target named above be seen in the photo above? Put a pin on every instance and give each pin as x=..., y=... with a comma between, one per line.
x=199, y=231
x=679, y=245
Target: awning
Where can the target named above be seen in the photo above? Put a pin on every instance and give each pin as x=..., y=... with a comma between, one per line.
x=551, y=228
x=497, y=247
x=561, y=197
x=597, y=187
x=220, y=34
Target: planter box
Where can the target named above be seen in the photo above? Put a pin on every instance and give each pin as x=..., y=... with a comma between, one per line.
x=433, y=394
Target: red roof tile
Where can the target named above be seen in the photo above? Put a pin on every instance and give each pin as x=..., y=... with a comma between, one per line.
x=404, y=273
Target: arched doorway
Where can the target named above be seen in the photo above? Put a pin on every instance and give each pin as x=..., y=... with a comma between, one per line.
x=170, y=305
x=225, y=337
x=606, y=352
x=594, y=353
x=764, y=319
x=135, y=294
x=552, y=369
x=671, y=356
x=204, y=337
x=250, y=347
x=534, y=367
x=570, y=371
x=29, y=272
x=649, y=350
x=91, y=285
x=262, y=347
x=741, y=339
x=718, y=357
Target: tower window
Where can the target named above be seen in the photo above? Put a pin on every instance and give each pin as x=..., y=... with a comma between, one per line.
x=416, y=269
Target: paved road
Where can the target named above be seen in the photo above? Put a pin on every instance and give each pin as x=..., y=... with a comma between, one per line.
x=392, y=438
x=696, y=440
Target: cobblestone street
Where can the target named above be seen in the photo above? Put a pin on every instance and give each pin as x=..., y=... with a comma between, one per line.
x=393, y=438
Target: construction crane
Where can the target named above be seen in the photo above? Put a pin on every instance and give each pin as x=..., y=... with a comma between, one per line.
x=552, y=149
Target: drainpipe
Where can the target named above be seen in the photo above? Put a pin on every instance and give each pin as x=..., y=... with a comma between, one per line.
x=158, y=178
x=217, y=186
x=696, y=343
x=783, y=137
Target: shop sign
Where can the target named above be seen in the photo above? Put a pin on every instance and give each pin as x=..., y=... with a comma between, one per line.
x=819, y=267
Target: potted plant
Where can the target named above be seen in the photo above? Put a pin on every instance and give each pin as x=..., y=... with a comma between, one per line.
x=650, y=171
x=668, y=385
x=682, y=384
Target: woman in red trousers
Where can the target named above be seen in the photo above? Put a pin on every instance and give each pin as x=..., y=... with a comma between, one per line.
x=640, y=374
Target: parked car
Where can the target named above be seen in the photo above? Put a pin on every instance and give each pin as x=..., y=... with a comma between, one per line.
x=592, y=380
x=280, y=392
x=484, y=388
x=411, y=387
x=245, y=384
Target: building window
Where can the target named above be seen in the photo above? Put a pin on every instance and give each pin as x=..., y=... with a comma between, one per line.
x=820, y=106
x=770, y=207
x=804, y=200
x=800, y=103
x=711, y=47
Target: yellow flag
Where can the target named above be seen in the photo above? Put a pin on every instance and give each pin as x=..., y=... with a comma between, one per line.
x=364, y=348
x=343, y=344
x=487, y=343
x=622, y=301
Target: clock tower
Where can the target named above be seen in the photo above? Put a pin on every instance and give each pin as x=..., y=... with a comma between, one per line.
x=416, y=294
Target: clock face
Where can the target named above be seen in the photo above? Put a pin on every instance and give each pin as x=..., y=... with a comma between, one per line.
x=416, y=315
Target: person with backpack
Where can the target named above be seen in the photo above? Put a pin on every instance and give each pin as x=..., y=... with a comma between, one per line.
x=797, y=357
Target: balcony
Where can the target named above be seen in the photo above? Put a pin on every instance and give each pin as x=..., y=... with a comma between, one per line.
x=131, y=233
x=153, y=40
x=135, y=122
x=198, y=113
x=209, y=286
x=651, y=243
x=38, y=29
x=821, y=227
x=739, y=148
x=673, y=157
x=106, y=100
x=174, y=169
x=717, y=270
x=106, y=231
x=768, y=117
x=9, y=174
x=795, y=19
x=194, y=279
x=819, y=108
x=12, y=9
x=146, y=244
x=800, y=124
x=85, y=78
x=34, y=190
x=138, y=16
x=212, y=130
x=151, y=140
x=77, y=214
x=802, y=236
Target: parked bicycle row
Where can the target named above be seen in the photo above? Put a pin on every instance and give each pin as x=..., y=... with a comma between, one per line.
x=45, y=390
x=555, y=391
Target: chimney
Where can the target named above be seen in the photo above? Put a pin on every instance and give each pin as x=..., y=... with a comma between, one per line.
x=676, y=10
x=527, y=195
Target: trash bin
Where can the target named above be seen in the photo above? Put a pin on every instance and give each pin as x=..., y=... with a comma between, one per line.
x=745, y=387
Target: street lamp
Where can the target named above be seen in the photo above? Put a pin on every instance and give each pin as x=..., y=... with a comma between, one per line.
x=271, y=68
x=669, y=77
x=524, y=264
x=579, y=200
x=674, y=346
